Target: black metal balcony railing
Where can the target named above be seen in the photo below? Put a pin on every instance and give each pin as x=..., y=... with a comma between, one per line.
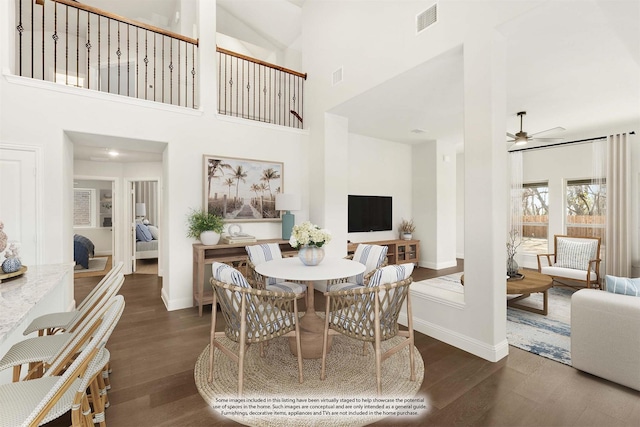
x=257, y=90
x=66, y=42
x=70, y=43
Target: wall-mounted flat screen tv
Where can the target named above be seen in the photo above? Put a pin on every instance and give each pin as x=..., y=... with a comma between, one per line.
x=369, y=213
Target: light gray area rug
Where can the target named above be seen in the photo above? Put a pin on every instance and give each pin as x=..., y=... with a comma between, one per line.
x=548, y=336
x=95, y=264
x=273, y=397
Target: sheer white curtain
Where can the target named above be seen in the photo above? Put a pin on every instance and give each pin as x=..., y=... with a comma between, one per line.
x=618, y=244
x=515, y=213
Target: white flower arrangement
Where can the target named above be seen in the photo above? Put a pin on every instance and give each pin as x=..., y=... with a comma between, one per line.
x=307, y=234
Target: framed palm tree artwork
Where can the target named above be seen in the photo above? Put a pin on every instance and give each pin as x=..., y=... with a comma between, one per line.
x=242, y=189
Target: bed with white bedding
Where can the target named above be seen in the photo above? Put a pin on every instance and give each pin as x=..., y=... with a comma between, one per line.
x=146, y=241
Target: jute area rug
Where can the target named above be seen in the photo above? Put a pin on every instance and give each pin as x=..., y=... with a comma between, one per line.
x=273, y=396
x=548, y=336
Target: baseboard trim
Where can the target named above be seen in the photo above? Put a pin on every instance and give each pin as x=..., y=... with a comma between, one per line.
x=175, y=304
x=439, y=265
x=492, y=353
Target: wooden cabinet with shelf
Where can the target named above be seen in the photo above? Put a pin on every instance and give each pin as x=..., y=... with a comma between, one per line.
x=234, y=253
x=399, y=252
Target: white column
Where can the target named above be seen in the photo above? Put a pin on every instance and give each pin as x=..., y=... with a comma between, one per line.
x=485, y=186
x=336, y=181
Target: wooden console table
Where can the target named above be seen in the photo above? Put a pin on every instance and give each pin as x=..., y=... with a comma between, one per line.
x=399, y=252
x=235, y=253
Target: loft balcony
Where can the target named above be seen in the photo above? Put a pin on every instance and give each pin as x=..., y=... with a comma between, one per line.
x=73, y=44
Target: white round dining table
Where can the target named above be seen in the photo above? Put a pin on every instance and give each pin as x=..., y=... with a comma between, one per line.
x=311, y=325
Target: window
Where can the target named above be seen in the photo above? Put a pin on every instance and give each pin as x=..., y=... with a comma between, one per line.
x=84, y=211
x=586, y=202
x=535, y=217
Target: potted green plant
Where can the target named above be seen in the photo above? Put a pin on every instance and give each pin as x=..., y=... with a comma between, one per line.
x=205, y=226
x=407, y=227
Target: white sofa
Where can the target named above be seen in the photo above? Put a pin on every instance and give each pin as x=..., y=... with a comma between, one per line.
x=605, y=335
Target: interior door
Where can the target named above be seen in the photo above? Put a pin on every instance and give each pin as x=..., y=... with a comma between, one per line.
x=18, y=206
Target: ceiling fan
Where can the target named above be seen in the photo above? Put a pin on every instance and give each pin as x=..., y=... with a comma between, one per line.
x=521, y=138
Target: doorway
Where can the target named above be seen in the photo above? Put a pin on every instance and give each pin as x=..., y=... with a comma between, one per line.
x=145, y=231
x=94, y=204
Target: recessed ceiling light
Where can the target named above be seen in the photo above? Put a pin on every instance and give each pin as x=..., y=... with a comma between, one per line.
x=113, y=153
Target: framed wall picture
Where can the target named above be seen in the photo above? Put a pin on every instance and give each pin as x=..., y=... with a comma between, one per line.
x=242, y=190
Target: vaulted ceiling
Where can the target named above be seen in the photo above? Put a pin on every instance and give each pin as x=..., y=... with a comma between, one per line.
x=570, y=64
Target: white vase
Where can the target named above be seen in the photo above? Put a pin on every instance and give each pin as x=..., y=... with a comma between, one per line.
x=407, y=236
x=311, y=255
x=209, y=238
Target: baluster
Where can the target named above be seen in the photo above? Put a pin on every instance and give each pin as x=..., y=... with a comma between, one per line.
x=178, y=79
x=163, y=98
x=43, y=13
x=20, y=30
x=171, y=72
x=32, y=42
x=108, y=55
x=55, y=42
x=118, y=54
x=128, y=62
x=99, y=82
x=137, y=66
x=77, y=47
x=88, y=46
x=193, y=74
x=66, y=46
x=146, y=63
x=155, y=65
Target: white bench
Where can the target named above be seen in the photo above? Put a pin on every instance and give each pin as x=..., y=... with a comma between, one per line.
x=575, y=259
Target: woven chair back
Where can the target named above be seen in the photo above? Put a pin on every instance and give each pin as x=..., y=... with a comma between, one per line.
x=262, y=314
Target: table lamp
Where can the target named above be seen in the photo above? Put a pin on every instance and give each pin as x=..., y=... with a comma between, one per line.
x=141, y=210
x=287, y=203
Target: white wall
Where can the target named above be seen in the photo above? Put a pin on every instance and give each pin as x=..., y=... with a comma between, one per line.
x=381, y=168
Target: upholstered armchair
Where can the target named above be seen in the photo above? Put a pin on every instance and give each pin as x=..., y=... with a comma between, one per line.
x=574, y=260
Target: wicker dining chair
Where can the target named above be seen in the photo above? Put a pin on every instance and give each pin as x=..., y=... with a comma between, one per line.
x=373, y=257
x=251, y=316
x=263, y=253
x=38, y=401
x=52, y=323
x=370, y=314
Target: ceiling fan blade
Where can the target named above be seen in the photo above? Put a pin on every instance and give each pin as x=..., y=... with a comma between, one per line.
x=547, y=139
x=556, y=129
x=510, y=135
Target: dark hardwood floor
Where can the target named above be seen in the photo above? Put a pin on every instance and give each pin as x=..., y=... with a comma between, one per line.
x=153, y=353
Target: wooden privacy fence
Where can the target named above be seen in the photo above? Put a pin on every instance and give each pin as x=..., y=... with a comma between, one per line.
x=67, y=42
x=536, y=226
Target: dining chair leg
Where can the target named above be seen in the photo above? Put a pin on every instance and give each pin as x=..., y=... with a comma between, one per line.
x=212, y=336
x=412, y=362
x=325, y=338
x=298, y=346
x=376, y=321
x=97, y=399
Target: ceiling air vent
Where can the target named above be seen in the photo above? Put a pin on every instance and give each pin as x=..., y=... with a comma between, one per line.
x=337, y=76
x=426, y=18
